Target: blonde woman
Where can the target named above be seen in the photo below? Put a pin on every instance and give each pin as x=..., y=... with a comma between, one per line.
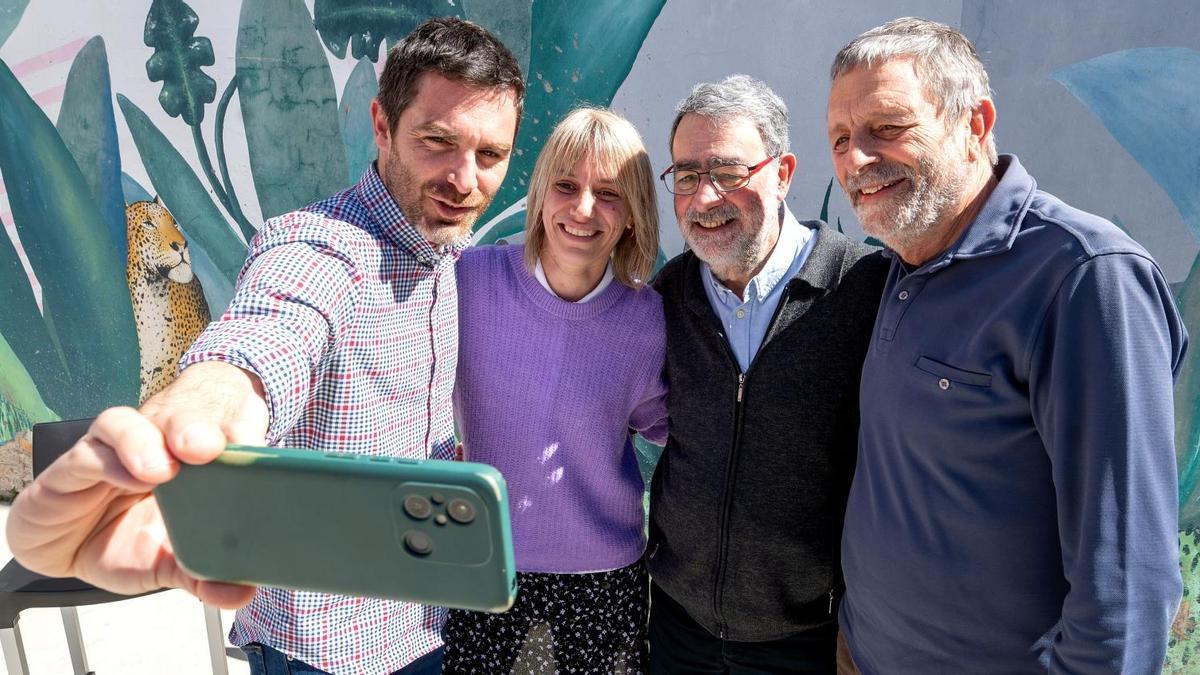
x=560, y=358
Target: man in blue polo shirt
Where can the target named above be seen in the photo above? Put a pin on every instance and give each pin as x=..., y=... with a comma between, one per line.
x=1014, y=508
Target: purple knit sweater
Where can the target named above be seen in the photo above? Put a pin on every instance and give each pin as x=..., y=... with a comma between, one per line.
x=547, y=392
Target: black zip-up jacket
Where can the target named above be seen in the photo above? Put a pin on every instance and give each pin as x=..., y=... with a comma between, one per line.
x=747, y=502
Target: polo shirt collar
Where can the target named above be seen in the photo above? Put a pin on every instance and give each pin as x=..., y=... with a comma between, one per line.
x=395, y=227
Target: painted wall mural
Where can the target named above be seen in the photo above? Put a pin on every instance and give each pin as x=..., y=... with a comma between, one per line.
x=141, y=144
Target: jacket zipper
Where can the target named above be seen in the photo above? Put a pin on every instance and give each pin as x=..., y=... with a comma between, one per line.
x=731, y=463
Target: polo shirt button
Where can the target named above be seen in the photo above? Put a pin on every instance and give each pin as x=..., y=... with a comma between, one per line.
x=903, y=295
x=943, y=384
x=741, y=314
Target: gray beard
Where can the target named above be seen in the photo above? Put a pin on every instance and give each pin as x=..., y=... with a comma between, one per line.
x=746, y=251
x=934, y=191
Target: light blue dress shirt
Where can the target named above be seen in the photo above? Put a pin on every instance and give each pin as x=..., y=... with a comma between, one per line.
x=745, y=321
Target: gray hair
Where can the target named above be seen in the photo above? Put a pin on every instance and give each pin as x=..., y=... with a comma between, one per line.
x=739, y=96
x=944, y=59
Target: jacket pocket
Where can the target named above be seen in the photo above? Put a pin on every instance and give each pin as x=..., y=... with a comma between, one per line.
x=948, y=375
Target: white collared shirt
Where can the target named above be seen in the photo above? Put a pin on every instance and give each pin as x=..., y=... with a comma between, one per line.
x=605, y=280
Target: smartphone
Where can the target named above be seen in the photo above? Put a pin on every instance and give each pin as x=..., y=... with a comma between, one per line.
x=428, y=531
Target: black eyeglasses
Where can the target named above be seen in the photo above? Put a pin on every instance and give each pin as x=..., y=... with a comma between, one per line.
x=725, y=178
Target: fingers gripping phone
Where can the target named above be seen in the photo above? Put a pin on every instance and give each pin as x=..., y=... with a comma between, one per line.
x=427, y=531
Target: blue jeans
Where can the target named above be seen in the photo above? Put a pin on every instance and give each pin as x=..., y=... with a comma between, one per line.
x=267, y=661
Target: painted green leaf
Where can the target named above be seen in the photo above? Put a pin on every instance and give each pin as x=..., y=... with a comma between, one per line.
x=289, y=107
x=354, y=117
x=580, y=52
x=659, y=261
x=510, y=21
x=504, y=227
x=647, y=457
x=174, y=181
x=21, y=320
x=10, y=15
x=84, y=295
x=1187, y=407
x=19, y=398
x=824, y=217
x=87, y=126
x=365, y=23
x=177, y=58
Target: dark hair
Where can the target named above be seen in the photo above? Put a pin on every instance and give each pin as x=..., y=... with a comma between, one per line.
x=455, y=49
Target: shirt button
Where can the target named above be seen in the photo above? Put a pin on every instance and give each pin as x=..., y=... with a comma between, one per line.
x=903, y=295
x=944, y=384
x=741, y=314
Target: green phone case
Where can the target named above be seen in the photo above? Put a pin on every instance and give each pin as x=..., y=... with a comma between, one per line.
x=427, y=531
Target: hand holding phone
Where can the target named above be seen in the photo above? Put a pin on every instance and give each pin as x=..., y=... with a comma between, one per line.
x=426, y=531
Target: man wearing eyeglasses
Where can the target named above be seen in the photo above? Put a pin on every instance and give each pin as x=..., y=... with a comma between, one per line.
x=768, y=321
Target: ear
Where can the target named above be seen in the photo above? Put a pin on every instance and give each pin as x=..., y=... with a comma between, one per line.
x=787, y=169
x=982, y=120
x=158, y=200
x=381, y=126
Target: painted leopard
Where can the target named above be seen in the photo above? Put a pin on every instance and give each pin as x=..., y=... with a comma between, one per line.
x=168, y=301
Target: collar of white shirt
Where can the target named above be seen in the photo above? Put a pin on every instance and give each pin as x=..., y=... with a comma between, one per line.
x=540, y=273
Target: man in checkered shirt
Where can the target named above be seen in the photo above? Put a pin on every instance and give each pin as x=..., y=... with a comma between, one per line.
x=341, y=336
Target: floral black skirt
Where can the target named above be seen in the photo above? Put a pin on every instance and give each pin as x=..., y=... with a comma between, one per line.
x=561, y=623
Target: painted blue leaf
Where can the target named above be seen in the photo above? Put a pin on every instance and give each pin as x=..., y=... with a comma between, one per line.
x=218, y=288
x=579, y=52
x=1153, y=109
x=1152, y=114
x=133, y=190
x=289, y=107
x=183, y=193
x=10, y=16
x=89, y=129
x=354, y=117
x=366, y=23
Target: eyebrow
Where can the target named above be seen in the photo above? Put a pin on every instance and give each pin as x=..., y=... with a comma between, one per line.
x=607, y=182
x=692, y=165
x=439, y=130
x=434, y=128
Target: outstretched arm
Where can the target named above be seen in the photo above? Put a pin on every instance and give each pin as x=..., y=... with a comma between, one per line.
x=92, y=515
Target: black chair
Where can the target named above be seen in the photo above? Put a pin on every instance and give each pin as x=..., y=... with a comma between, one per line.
x=21, y=589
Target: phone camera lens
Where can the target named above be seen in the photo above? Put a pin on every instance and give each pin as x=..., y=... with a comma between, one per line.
x=417, y=506
x=461, y=511
x=418, y=542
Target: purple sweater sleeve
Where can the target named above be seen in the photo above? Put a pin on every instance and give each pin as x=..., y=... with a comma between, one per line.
x=649, y=417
